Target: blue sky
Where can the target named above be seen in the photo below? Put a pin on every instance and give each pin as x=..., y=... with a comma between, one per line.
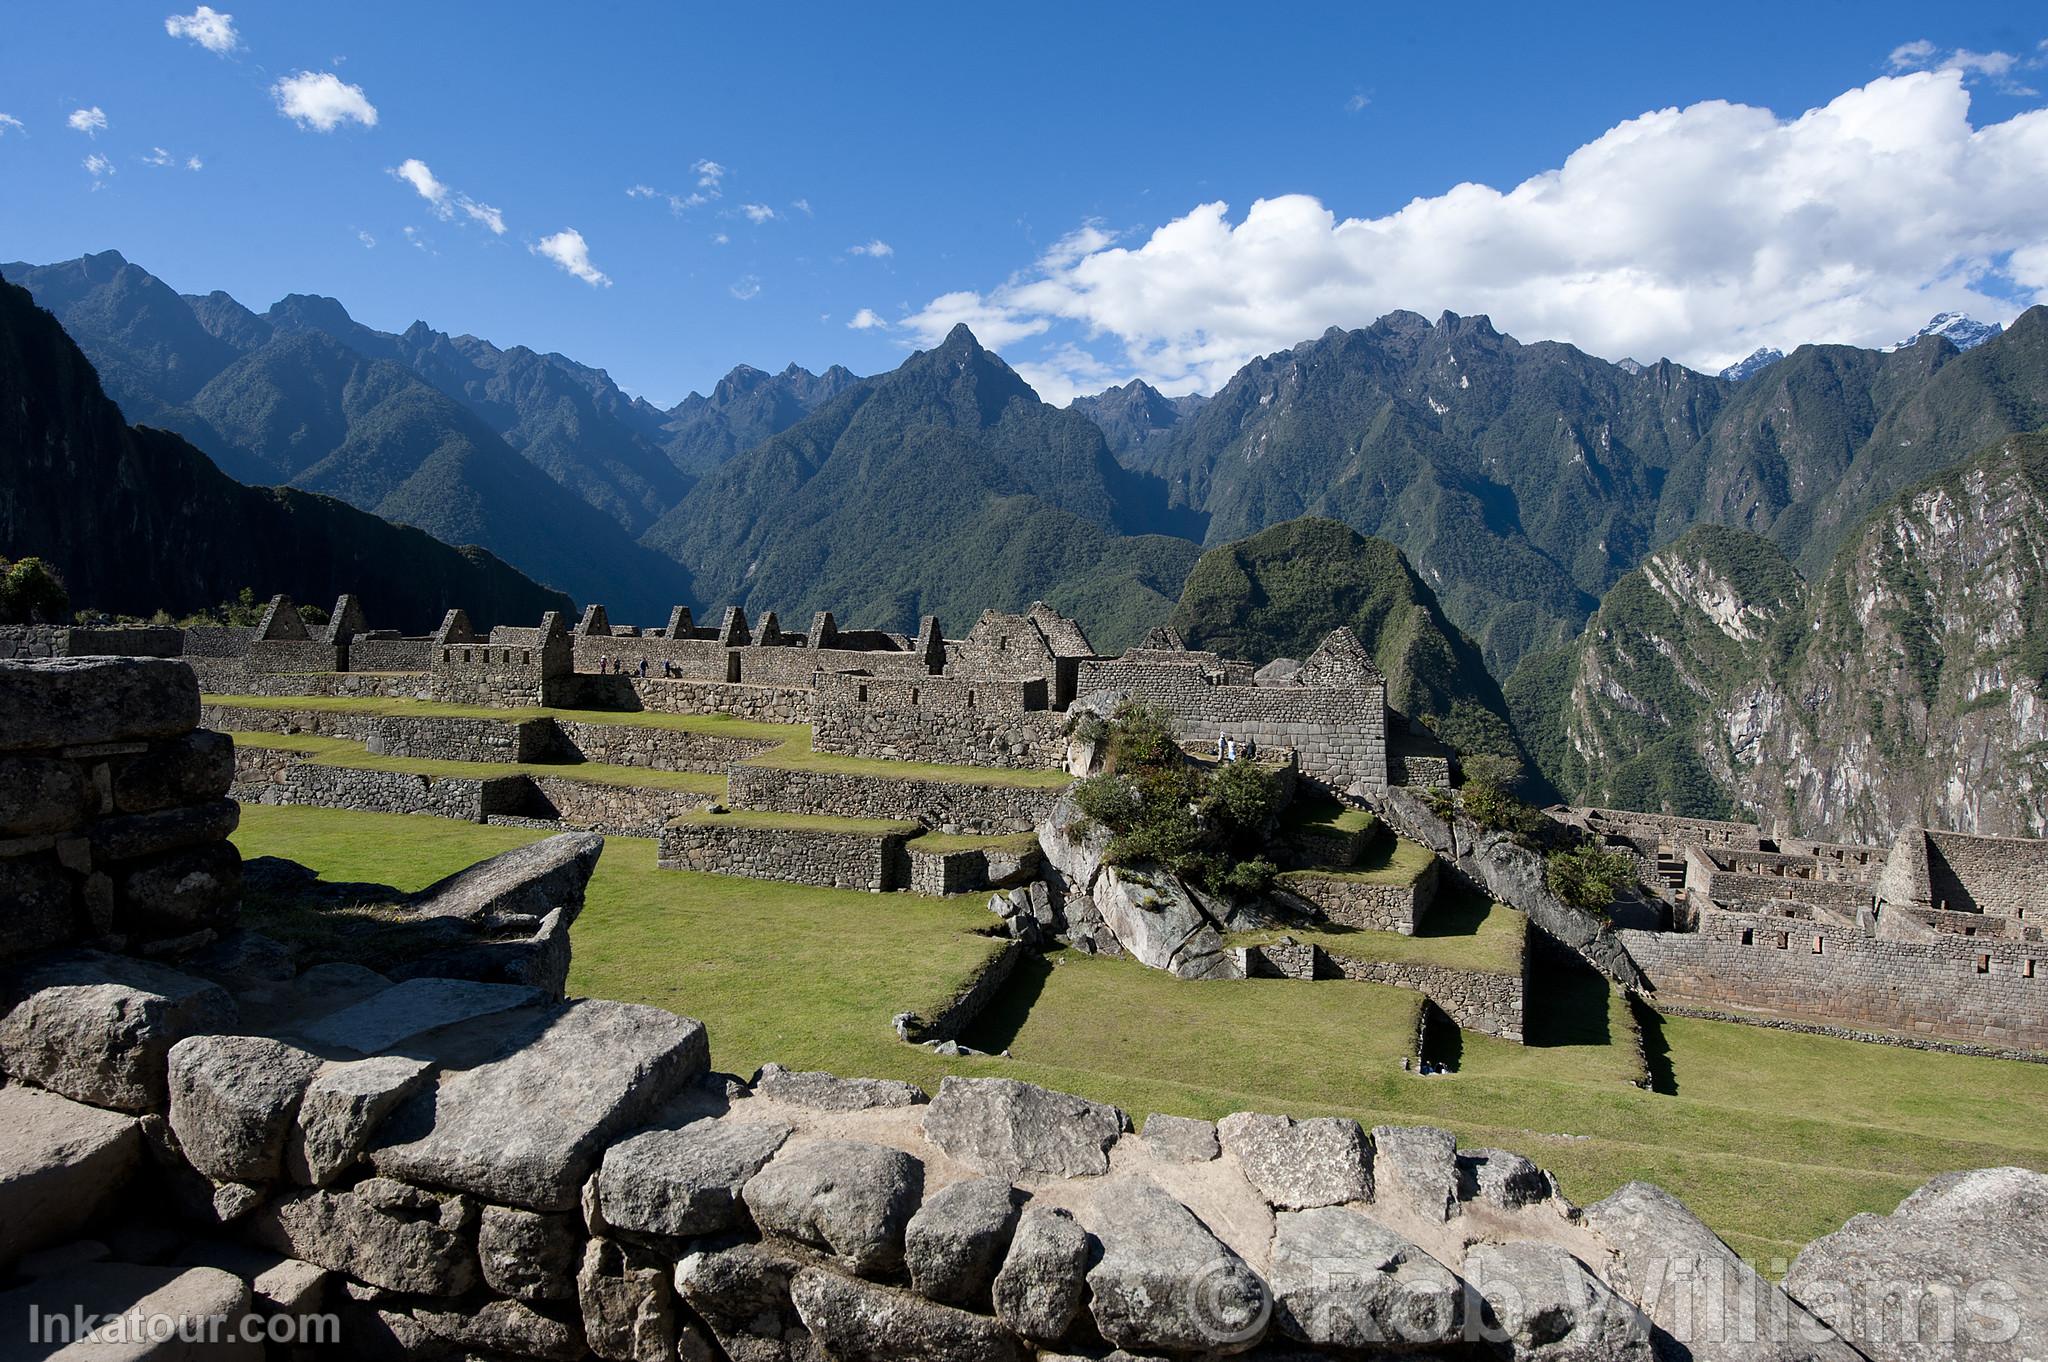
x=1042, y=172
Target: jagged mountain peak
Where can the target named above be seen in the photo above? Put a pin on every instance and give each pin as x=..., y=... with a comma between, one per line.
x=1758, y=360
x=310, y=309
x=1960, y=329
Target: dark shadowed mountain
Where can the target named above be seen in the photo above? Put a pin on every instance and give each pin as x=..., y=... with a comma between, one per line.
x=323, y=403
x=138, y=520
x=746, y=407
x=1136, y=416
x=916, y=492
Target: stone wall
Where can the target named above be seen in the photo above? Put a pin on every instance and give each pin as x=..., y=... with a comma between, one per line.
x=1969, y=990
x=1746, y=879
x=268, y=776
x=453, y=739
x=320, y=723
x=1364, y=904
x=839, y=860
x=615, y=810
x=968, y=871
x=233, y=677
x=952, y=722
x=113, y=811
x=27, y=642
x=1475, y=1000
x=656, y=749
x=934, y=803
x=765, y=704
x=369, y=654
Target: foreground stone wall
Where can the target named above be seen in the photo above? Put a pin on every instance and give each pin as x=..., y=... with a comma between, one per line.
x=935, y=803
x=113, y=811
x=838, y=860
x=273, y=776
x=1973, y=991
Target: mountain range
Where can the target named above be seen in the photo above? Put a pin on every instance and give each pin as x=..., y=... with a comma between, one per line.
x=1521, y=483
x=137, y=520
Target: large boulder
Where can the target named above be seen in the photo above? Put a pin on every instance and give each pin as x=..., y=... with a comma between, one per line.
x=1159, y=922
x=412, y=1008
x=858, y=1321
x=1345, y=1281
x=527, y=1129
x=498, y=1328
x=527, y=882
x=847, y=1198
x=382, y=1232
x=232, y=1103
x=1044, y=1279
x=1698, y=1292
x=61, y=1165
x=1164, y=1283
x=99, y=1028
x=686, y=1182
x=955, y=1242
x=1297, y=1165
x=1018, y=1130
x=1959, y=1270
x=1547, y=1307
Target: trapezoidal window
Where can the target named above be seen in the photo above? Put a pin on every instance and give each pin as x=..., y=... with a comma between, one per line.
x=1817, y=945
x=1784, y=940
x=2028, y=972
x=1983, y=964
x=913, y=695
x=1749, y=936
x=863, y=694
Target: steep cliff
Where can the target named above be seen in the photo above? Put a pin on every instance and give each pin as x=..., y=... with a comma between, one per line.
x=1905, y=687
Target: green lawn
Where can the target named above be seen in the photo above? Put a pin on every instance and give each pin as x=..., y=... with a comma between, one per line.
x=1387, y=860
x=1463, y=930
x=343, y=752
x=800, y=756
x=1326, y=817
x=1773, y=1137
x=720, y=725
x=941, y=842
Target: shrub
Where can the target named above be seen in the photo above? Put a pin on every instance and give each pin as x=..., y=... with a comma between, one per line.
x=1588, y=876
x=31, y=592
x=1487, y=799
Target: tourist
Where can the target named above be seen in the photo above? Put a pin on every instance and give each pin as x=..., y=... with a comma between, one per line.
x=602, y=663
x=643, y=669
x=1222, y=742
x=1251, y=749
x=1230, y=749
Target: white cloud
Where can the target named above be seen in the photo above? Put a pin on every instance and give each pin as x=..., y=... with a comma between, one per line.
x=720, y=239
x=447, y=202
x=206, y=26
x=419, y=240
x=876, y=248
x=2001, y=69
x=757, y=213
x=10, y=121
x=865, y=320
x=369, y=242
x=323, y=101
x=640, y=191
x=568, y=249
x=709, y=173
x=159, y=156
x=88, y=121
x=802, y=206
x=745, y=287
x=1700, y=233
x=99, y=167
x=1358, y=102
x=194, y=163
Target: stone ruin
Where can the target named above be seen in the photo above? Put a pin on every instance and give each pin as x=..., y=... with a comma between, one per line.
x=447, y=1157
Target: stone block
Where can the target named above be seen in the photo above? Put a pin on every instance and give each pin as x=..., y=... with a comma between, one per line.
x=189, y=769
x=342, y=1108
x=847, y=1198
x=1300, y=1164
x=680, y=1183
x=127, y=836
x=232, y=1103
x=528, y=1254
x=42, y=794
x=412, y=1008
x=61, y=1164
x=99, y=1028
x=1019, y=1130
x=385, y=1233
x=71, y=701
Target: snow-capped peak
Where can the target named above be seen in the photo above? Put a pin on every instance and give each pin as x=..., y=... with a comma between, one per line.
x=1960, y=328
x=1630, y=366
x=1759, y=359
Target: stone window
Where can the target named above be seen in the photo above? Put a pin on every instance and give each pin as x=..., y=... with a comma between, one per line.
x=913, y=695
x=1784, y=940
x=2028, y=972
x=863, y=694
x=526, y=658
x=1983, y=964
x=1749, y=936
x=1817, y=945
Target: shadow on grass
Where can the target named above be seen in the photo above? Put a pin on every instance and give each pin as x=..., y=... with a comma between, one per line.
x=1443, y=1041
x=1458, y=911
x=1567, y=1003
x=1656, y=1049
x=996, y=1029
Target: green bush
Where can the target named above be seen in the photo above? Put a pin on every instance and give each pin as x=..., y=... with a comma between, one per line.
x=1588, y=876
x=1207, y=827
x=31, y=592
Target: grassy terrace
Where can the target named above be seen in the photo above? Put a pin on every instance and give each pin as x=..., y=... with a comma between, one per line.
x=802, y=822
x=341, y=752
x=1773, y=1137
x=1463, y=930
x=941, y=842
x=1389, y=860
x=1325, y=817
x=792, y=750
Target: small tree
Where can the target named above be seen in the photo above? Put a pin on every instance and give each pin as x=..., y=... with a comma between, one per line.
x=1588, y=876
x=31, y=592
x=1487, y=797
x=243, y=610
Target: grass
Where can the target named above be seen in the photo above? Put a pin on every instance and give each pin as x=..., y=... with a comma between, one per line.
x=342, y=752
x=1462, y=931
x=940, y=843
x=1773, y=1137
x=1325, y=817
x=804, y=822
x=1389, y=860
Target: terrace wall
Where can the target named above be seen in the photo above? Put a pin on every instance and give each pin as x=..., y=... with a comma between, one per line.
x=1474, y=999
x=934, y=803
x=945, y=720
x=277, y=777
x=839, y=860
x=1365, y=905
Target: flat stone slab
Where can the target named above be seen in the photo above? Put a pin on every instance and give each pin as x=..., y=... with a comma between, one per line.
x=820, y=1091
x=528, y=881
x=410, y=1009
x=98, y=1027
x=1300, y=1164
x=73, y=701
x=61, y=1164
x=527, y=1129
x=1181, y=1139
x=122, y=1289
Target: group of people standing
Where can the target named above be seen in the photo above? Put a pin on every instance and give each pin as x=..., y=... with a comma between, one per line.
x=617, y=666
x=1229, y=749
